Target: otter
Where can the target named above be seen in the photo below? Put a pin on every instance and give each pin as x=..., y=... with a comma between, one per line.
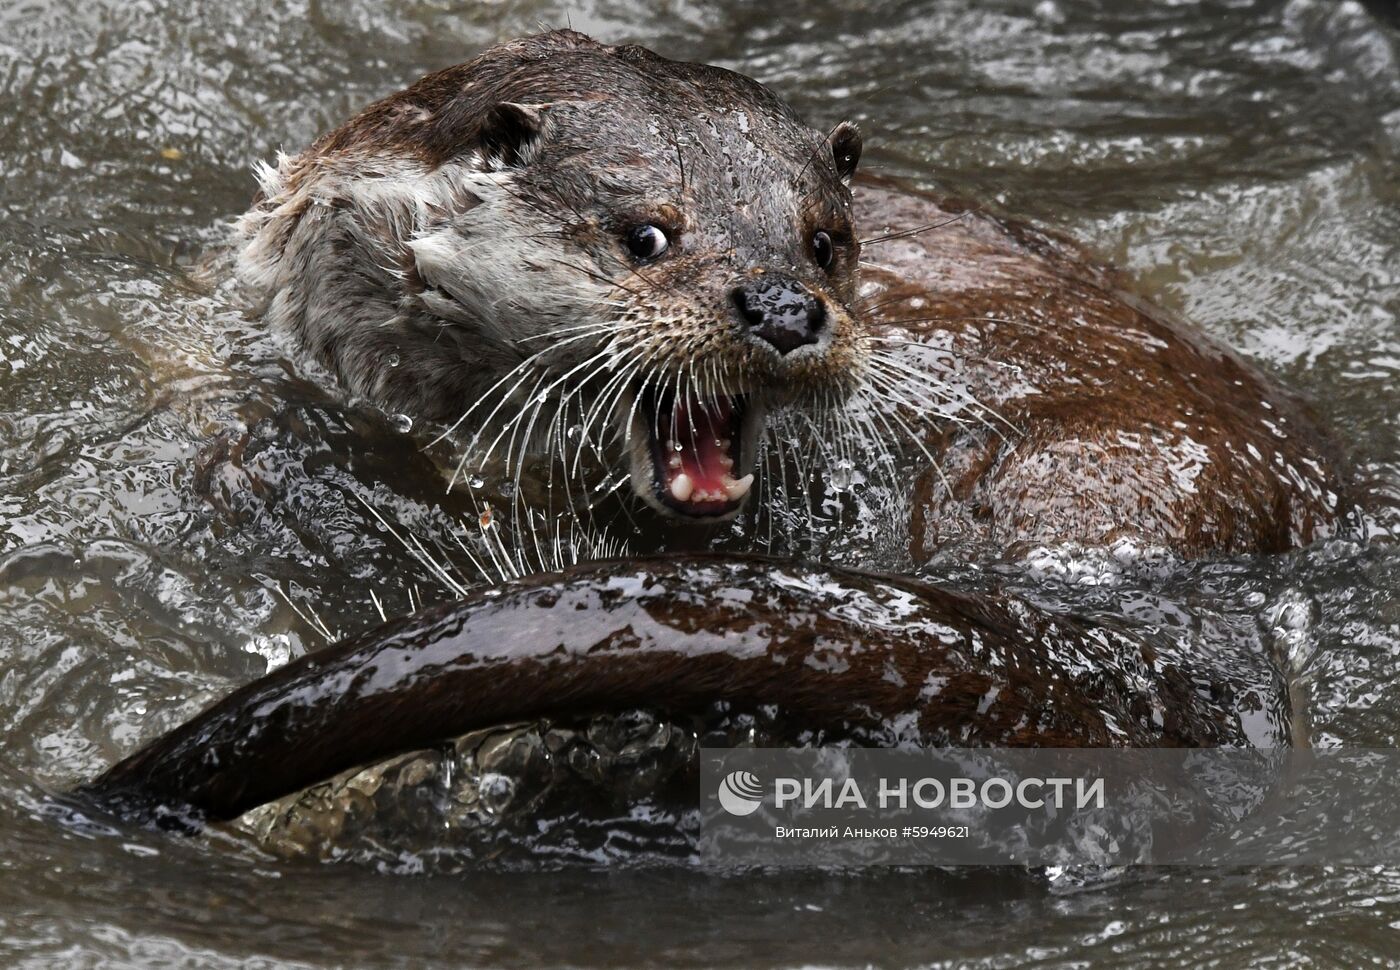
x=663, y=246
x=562, y=235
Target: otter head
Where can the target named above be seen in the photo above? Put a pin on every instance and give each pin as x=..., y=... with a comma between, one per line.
x=575, y=242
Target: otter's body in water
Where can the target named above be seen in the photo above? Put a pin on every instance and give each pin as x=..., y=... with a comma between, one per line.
x=660, y=260
x=1127, y=424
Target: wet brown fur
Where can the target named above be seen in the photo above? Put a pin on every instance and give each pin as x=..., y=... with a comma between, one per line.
x=1120, y=422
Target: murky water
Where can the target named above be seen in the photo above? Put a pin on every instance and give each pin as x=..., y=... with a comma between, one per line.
x=1243, y=159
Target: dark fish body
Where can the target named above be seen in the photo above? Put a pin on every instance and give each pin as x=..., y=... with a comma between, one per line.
x=890, y=659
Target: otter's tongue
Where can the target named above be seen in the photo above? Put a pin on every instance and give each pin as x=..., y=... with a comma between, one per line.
x=699, y=444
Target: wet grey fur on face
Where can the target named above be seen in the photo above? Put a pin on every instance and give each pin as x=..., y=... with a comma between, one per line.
x=467, y=235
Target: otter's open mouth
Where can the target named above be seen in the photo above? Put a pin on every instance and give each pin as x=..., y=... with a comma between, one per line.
x=692, y=457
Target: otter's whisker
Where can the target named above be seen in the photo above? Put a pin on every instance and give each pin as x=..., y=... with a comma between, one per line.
x=931, y=403
x=558, y=433
x=613, y=390
x=309, y=616
x=926, y=413
x=533, y=359
x=784, y=448
x=509, y=426
x=610, y=328
x=605, y=401
x=764, y=508
x=418, y=551
x=487, y=524
x=626, y=478
x=660, y=376
x=637, y=398
x=378, y=607
x=880, y=360
x=680, y=159
x=457, y=538
x=905, y=234
x=542, y=395
x=914, y=437
x=517, y=369
x=940, y=379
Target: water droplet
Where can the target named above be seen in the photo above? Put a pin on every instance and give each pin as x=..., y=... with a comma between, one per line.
x=392, y=360
x=575, y=432
x=476, y=481
x=842, y=474
x=402, y=423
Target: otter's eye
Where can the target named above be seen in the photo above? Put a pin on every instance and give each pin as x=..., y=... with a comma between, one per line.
x=822, y=250
x=647, y=242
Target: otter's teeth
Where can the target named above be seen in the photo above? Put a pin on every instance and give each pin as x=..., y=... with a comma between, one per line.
x=737, y=488
x=682, y=487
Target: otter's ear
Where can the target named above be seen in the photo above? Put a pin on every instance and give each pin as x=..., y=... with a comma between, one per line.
x=509, y=131
x=845, y=149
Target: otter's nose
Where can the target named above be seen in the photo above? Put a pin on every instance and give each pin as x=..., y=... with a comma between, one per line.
x=781, y=311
